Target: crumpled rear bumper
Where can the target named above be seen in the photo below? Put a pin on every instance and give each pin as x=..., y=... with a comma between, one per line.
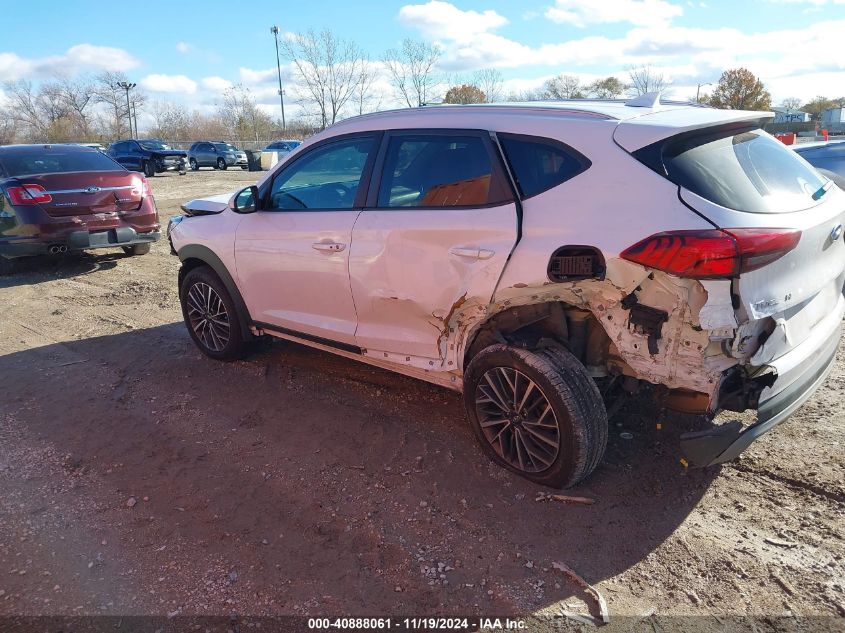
x=800, y=372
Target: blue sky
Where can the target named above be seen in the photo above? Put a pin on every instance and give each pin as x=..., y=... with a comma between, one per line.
x=188, y=51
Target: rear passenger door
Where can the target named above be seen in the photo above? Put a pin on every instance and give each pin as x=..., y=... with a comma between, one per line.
x=439, y=225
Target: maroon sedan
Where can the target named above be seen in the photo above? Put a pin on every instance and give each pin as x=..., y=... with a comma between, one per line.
x=60, y=198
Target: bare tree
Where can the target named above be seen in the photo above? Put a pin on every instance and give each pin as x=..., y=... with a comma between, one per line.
x=328, y=68
x=563, y=87
x=645, y=79
x=113, y=98
x=24, y=109
x=791, y=103
x=412, y=71
x=489, y=80
x=78, y=97
x=364, y=87
x=174, y=123
x=241, y=115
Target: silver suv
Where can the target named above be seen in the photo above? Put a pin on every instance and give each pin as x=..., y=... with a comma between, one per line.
x=536, y=257
x=216, y=154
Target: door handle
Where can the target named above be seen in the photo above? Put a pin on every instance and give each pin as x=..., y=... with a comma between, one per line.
x=333, y=247
x=472, y=253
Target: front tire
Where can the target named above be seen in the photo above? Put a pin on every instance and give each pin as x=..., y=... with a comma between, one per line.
x=194, y=165
x=221, y=164
x=149, y=168
x=536, y=413
x=210, y=315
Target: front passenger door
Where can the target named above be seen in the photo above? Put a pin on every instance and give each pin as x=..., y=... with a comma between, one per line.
x=293, y=256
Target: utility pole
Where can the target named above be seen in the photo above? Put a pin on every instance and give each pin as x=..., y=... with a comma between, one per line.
x=698, y=91
x=127, y=87
x=275, y=31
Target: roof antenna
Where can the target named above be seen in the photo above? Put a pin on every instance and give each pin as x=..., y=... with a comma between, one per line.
x=647, y=100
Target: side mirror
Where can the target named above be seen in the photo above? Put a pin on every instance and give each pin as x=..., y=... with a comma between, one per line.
x=246, y=200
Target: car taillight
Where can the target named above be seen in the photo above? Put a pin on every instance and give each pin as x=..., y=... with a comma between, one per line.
x=712, y=254
x=28, y=194
x=140, y=186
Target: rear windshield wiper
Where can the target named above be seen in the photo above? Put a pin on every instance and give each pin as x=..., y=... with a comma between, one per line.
x=822, y=190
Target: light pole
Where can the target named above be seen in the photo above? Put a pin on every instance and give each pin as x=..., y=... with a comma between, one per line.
x=127, y=87
x=275, y=31
x=698, y=90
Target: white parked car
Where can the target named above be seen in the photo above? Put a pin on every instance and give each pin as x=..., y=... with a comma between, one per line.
x=529, y=255
x=276, y=151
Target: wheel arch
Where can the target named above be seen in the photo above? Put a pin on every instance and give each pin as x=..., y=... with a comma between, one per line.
x=535, y=324
x=195, y=255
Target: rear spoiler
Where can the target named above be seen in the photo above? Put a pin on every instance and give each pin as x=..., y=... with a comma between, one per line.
x=661, y=124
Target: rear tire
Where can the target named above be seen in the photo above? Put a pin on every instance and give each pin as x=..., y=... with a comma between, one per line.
x=221, y=164
x=210, y=315
x=137, y=249
x=149, y=168
x=193, y=164
x=536, y=413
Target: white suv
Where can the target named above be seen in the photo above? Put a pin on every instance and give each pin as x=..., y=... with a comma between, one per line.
x=528, y=255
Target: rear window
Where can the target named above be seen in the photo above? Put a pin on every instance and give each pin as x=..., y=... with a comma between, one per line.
x=746, y=171
x=55, y=162
x=538, y=164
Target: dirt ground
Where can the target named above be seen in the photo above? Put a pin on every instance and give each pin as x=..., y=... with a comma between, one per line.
x=139, y=477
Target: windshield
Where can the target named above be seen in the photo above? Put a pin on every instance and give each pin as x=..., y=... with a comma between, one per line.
x=747, y=171
x=154, y=145
x=225, y=147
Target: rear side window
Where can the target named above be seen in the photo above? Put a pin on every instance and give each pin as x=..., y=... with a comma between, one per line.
x=56, y=162
x=743, y=170
x=439, y=171
x=538, y=164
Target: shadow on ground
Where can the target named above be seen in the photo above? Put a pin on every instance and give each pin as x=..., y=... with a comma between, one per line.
x=26, y=271
x=313, y=476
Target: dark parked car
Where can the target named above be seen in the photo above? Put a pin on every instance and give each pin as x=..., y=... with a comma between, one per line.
x=828, y=157
x=60, y=198
x=150, y=156
x=216, y=154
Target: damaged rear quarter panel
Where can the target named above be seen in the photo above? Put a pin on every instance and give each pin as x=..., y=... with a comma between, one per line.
x=592, y=209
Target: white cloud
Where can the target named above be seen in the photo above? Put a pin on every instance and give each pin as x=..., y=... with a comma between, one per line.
x=580, y=13
x=169, y=83
x=685, y=55
x=442, y=20
x=252, y=77
x=183, y=47
x=74, y=60
x=216, y=84
x=104, y=57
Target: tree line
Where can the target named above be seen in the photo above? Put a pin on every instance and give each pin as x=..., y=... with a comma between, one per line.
x=333, y=78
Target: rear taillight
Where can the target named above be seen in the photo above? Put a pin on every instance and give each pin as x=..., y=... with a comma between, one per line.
x=712, y=254
x=140, y=186
x=28, y=194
